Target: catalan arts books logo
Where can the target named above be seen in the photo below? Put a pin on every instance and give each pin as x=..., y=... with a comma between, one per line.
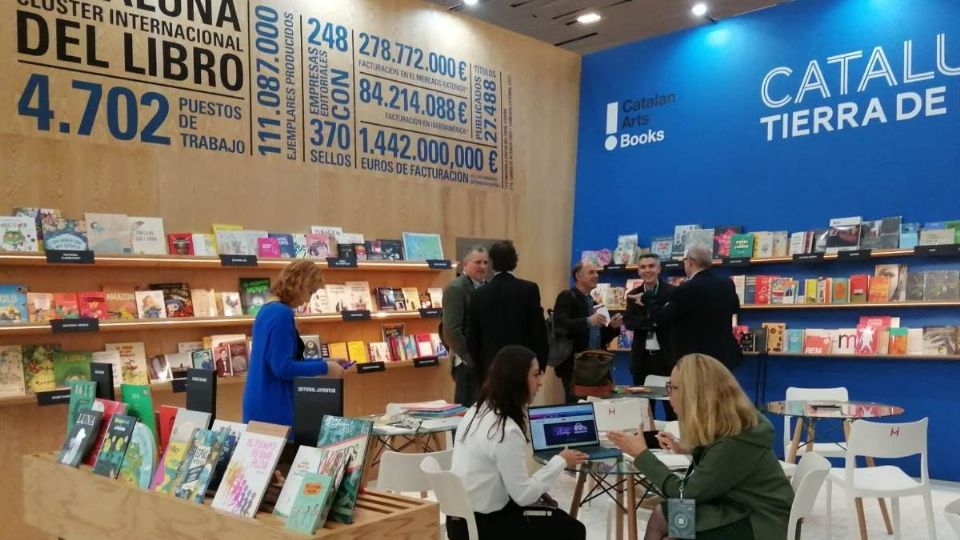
x=633, y=114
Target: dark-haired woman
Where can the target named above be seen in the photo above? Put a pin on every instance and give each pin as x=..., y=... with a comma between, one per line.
x=490, y=456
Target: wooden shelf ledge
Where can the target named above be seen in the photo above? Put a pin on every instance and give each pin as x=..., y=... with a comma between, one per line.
x=860, y=305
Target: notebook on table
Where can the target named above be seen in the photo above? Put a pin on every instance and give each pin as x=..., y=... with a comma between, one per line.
x=555, y=427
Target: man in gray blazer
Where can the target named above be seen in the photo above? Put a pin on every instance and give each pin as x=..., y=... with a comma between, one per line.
x=456, y=309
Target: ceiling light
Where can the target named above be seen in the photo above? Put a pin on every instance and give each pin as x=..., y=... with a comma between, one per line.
x=588, y=18
x=470, y=2
x=699, y=9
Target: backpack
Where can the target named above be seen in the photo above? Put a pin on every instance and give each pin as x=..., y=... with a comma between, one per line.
x=560, y=346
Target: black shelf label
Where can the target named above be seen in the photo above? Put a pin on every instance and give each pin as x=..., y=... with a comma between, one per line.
x=179, y=386
x=615, y=268
x=431, y=313
x=67, y=326
x=56, y=256
x=808, y=257
x=735, y=262
x=426, y=362
x=341, y=262
x=672, y=266
x=937, y=251
x=54, y=397
x=238, y=260
x=855, y=255
x=355, y=314
x=439, y=264
x=371, y=367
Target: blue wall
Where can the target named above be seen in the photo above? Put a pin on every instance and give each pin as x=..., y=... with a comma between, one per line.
x=715, y=165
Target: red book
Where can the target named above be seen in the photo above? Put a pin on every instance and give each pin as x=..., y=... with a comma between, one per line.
x=93, y=304
x=109, y=408
x=763, y=289
x=66, y=306
x=877, y=320
x=424, y=345
x=816, y=344
x=165, y=417
x=859, y=287
x=868, y=339
x=180, y=243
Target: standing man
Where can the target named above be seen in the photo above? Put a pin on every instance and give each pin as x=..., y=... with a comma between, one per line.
x=504, y=312
x=701, y=311
x=653, y=351
x=575, y=316
x=456, y=308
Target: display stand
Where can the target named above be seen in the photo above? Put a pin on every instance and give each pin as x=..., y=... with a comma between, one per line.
x=77, y=504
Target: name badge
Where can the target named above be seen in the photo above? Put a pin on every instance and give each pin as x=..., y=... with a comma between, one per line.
x=682, y=518
x=652, y=344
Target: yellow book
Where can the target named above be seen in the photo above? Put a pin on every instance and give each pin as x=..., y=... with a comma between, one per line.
x=412, y=296
x=218, y=227
x=357, y=351
x=338, y=350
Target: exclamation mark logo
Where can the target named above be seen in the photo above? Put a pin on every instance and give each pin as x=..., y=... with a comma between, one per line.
x=612, y=121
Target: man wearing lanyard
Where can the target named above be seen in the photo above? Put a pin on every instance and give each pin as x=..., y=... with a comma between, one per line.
x=653, y=351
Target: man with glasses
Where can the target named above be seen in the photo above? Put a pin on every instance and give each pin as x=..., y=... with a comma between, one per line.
x=701, y=311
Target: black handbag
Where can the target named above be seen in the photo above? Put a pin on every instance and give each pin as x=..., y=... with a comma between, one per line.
x=561, y=346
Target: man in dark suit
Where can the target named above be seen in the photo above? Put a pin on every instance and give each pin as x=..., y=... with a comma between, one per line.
x=653, y=351
x=575, y=317
x=701, y=311
x=456, y=307
x=504, y=312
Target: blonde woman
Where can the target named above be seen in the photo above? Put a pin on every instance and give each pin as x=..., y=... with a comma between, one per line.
x=736, y=484
x=277, y=355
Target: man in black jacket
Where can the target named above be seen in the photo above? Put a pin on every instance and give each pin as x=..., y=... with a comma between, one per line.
x=505, y=311
x=701, y=311
x=575, y=317
x=653, y=351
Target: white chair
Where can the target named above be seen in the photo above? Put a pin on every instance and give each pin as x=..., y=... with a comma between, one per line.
x=953, y=516
x=807, y=481
x=883, y=441
x=400, y=472
x=450, y=493
x=830, y=449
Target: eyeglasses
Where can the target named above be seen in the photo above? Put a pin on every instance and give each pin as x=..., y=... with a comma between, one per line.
x=670, y=388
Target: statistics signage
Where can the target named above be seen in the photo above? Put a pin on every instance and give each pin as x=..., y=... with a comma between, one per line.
x=298, y=81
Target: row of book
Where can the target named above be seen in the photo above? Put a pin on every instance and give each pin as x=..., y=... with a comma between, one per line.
x=873, y=335
x=890, y=283
x=36, y=229
x=232, y=463
x=168, y=300
x=842, y=234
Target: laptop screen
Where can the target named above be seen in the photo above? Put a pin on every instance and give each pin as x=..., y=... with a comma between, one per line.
x=557, y=426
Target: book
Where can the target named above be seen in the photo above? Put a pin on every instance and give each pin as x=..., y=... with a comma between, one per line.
x=338, y=297
x=780, y=243
x=40, y=307
x=868, y=339
x=12, y=382
x=108, y=234
x=180, y=244
x=65, y=235
x=678, y=248
x=81, y=436
x=843, y=234
x=698, y=238
x=196, y=470
x=410, y=299
x=320, y=246
x=320, y=302
x=140, y=459
x=436, y=297
x=723, y=237
x=13, y=304
x=306, y=461
x=332, y=232
x=941, y=285
x=108, y=408
x=662, y=247
x=38, y=373
x=356, y=433
x=166, y=416
x=230, y=304
x=204, y=245
x=139, y=400
x=116, y=438
x=93, y=305
x=252, y=240
x=147, y=237
x=937, y=237
x=268, y=247
x=234, y=243
x=158, y=370
x=359, y=295
x=896, y=275
x=741, y=245
x=229, y=436
x=794, y=340
x=150, y=305
x=940, y=340
x=254, y=293
x=202, y=359
x=898, y=340
x=217, y=228
x=238, y=357
x=890, y=232
x=70, y=366
x=204, y=302
x=915, y=285
x=845, y=341
x=870, y=234
x=176, y=298
x=40, y=216
x=421, y=246
x=133, y=361
x=859, y=288
x=841, y=291
x=915, y=342
x=248, y=473
x=185, y=424
x=349, y=238
x=879, y=289
x=379, y=351
x=285, y=244
x=66, y=306
x=82, y=394
x=311, y=346
x=357, y=351
x=797, y=244
x=816, y=342
x=909, y=235
x=626, y=248
x=775, y=336
x=121, y=301
x=18, y=233
x=953, y=225
x=313, y=495
x=299, y=245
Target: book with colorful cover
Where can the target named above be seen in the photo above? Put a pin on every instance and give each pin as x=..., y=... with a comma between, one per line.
x=38, y=367
x=197, y=466
x=896, y=275
x=359, y=295
x=285, y=244
x=941, y=285
x=306, y=461
x=133, y=361
x=909, y=235
x=859, y=288
x=108, y=408
x=816, y=342
x=794, y=340
x=202, y=359
x=940, y=340
x=204, y=245
x=12, y=382
x=254, y=293
x=108, y=234
x=81, y=436
x=147, y=237
x=268, y=247
x=140, y=459
x=180, y=244
x=139, y=400
x=879, y=290
x=898, y=341
x=230, y=434
x=176, y=298
x=356, y=432
x=868, y=338
x=313, y=493
x=40, y=307
x=223, y=227
x=185, y=424
x=65, y=235
x=41, y=216
x=722, y=238
x=93, y=304
x=66, y=305
x=166, y=416
x=741, y=245
x=626, y=248
x=239, y=354
x=698, y=238
x=250, y=470
x=844, y=234
x=70, y=366
x=320, y=246
x=299, y=245
x=19, y=233
x=121, y=301
x=115, y=442
x=82, y=394
x=150, y=305
x=841, y=291
x=158, y=370
x=13, y=304
x=662, y=247
x=379, y=351
x=230, y=304
x=775, y=336
x=421, y=246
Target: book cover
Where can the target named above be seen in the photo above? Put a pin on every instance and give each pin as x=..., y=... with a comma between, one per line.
x=41, y=217
x=176, y=298
x=421, y=247
x=166, y=416
x=140, y=459
x=354, y=434
x=379, y=351
x=915, y=285
x=115, y=441
x=306, y=461
x=40, y=307
x=66, y=305
x=347, y=251
x=794, y=340
x=867, y=341
x=845, y=341
x=778, y=289
x=915, y=341
x=254, y=293
x=158, y=369
x=238, y=357
x=425, y=301
x=937, y=237
x=763, y=289
x=940, y=340
x=741, y=245
x=775, y=336
x=180, y=244
x=392, y=250
x=82, y=394
x=150, y=305
x=436, y=297
x=412, y=299
x=896, y=275
x=320, y=246
x=359, y=295
x=313, y=492
x=139, y=400
x=13, y=304
x=70, y=366
x=147, y=236
x=898, y=341
x=250, y=470
x=185, y=424
x=626, y=248
x=797, y=244
x=311, y=346
x=424, y=345
x=18, y=233
x=108, y=408
x=285, y=244
x=941, y=285
x=843, y=234
x=12, y=382
x=750, y=290
x=841, y=291
x=121, y=302
x=229, y=436
x=870, y=234
x=909, y=235
x=133, y=361
x=859, y=288
x=202, y=359
x=38, y=367
x=81, y=436
x=299, y=245
x=204, y=302
x=222, y=227
x=879, y=289
x=953, y=225
x=252, y=240
x=816, y=342
x=197, y=467
x=810, y=291
x=722, y=238
x=338, y=296
x=409, y=344
x=698, y=238
x=204, y=245
x=65, y=234
x=108, y=234
x=349, y=238
x=357, y=351
x=824, y=290
x=890, y=232
x=677, y=249
x=234, y=243
x=780, y=243
x=221, y=360
x=320, y=302
x=268, y=247
x=230, y=304
x=662, y=247
x=93, y=304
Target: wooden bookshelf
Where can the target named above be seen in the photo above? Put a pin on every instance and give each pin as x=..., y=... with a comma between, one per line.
x=862, y=305
x=952, y=357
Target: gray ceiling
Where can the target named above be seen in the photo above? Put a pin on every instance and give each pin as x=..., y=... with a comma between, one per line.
x=624, y=21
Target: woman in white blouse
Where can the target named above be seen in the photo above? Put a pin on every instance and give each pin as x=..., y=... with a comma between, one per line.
x=490, y=456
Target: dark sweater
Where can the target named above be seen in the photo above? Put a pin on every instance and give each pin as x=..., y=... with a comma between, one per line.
x=274, y=362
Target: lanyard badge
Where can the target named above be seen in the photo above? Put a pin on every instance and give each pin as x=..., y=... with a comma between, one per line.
x=682, y=514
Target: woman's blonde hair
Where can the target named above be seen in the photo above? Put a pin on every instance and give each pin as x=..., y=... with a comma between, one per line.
x=712, y=404
x=297, y=282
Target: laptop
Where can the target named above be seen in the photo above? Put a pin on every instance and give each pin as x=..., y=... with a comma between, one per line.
x=555, y=427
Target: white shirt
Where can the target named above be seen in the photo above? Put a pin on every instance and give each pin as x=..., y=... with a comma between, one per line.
x=494, y=472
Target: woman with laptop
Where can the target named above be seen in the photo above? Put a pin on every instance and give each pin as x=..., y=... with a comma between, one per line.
x=490, y=457
x=735, y=488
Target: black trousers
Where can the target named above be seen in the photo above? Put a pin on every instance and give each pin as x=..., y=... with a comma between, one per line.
x=510, y=522
x=465, y=387
x=565, y=372
x=644, y=364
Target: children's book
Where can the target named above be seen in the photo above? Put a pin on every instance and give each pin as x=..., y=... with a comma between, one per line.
x=108, y=234
x=250, y=470
x=18, y=233
x=11, y=371
x=115, y=442
x=140, y=459
x=355, y=434
x=81, y=436
x=147, y=237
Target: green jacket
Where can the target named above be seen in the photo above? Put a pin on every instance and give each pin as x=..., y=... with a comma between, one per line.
x=456, y=306
x=732, y=478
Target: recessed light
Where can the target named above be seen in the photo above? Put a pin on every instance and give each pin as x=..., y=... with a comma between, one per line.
x=699, y=9
x=470, y=2
x=588, y=18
